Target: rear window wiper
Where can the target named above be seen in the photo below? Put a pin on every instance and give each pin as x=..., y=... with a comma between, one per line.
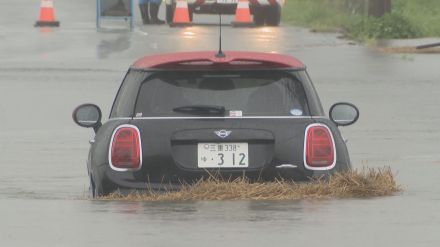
x=201, y=110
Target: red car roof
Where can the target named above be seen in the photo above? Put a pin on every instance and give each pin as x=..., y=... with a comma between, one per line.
x=208, y=59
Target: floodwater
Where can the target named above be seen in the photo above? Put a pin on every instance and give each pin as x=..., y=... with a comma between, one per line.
x=44, y=74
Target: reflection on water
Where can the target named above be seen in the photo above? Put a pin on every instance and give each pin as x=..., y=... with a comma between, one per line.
x=233, y=211
x=45, y=30
x=264, y=39
x=114, y=45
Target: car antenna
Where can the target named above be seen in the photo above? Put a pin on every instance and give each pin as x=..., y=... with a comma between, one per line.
x=220, y=53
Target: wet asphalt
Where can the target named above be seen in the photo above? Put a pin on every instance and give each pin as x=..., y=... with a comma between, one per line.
x=45, y=73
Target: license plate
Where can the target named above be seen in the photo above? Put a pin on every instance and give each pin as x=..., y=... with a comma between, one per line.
x=227, y=1
x=223, y=155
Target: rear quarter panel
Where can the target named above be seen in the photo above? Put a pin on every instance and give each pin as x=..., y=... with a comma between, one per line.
x=99, y=151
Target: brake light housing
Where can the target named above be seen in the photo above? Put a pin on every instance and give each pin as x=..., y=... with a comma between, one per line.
x=125, y=152
x=319, y=148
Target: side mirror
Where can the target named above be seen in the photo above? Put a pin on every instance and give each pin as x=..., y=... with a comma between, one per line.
x=88, y=116
x=344, y=114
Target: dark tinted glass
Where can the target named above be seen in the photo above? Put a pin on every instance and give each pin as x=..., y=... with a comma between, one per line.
x=270, y=93
x=126, y=98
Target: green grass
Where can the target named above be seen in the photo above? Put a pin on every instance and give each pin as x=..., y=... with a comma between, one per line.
x=424, y=15
x=409, y=18
x=316, y=14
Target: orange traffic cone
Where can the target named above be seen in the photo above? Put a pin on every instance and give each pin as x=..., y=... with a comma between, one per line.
x=47, y=16
x=243, y=15
x=181, y=14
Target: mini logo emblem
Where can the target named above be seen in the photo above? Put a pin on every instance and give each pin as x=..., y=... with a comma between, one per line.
x=223, y=133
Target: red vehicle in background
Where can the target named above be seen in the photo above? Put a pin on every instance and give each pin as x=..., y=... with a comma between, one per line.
x=265, y=12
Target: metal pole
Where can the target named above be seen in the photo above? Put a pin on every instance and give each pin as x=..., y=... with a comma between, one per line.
x=379, y=8
x=428, y=46
x=132, y=15
x=98, y=15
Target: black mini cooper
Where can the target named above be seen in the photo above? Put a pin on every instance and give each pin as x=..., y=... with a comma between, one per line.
x=181, y=117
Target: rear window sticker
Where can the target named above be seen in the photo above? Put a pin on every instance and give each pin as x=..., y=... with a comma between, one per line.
x=296, y=112
x=235, y=113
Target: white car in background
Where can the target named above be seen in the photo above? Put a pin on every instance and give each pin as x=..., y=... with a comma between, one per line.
x=265, y=12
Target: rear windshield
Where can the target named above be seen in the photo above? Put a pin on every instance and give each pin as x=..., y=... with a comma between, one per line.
x=262, y=93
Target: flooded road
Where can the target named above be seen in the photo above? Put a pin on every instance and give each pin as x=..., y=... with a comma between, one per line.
x=44, y=74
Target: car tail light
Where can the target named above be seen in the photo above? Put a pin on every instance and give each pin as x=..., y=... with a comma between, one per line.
x=319, y=148
x=125, y=150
